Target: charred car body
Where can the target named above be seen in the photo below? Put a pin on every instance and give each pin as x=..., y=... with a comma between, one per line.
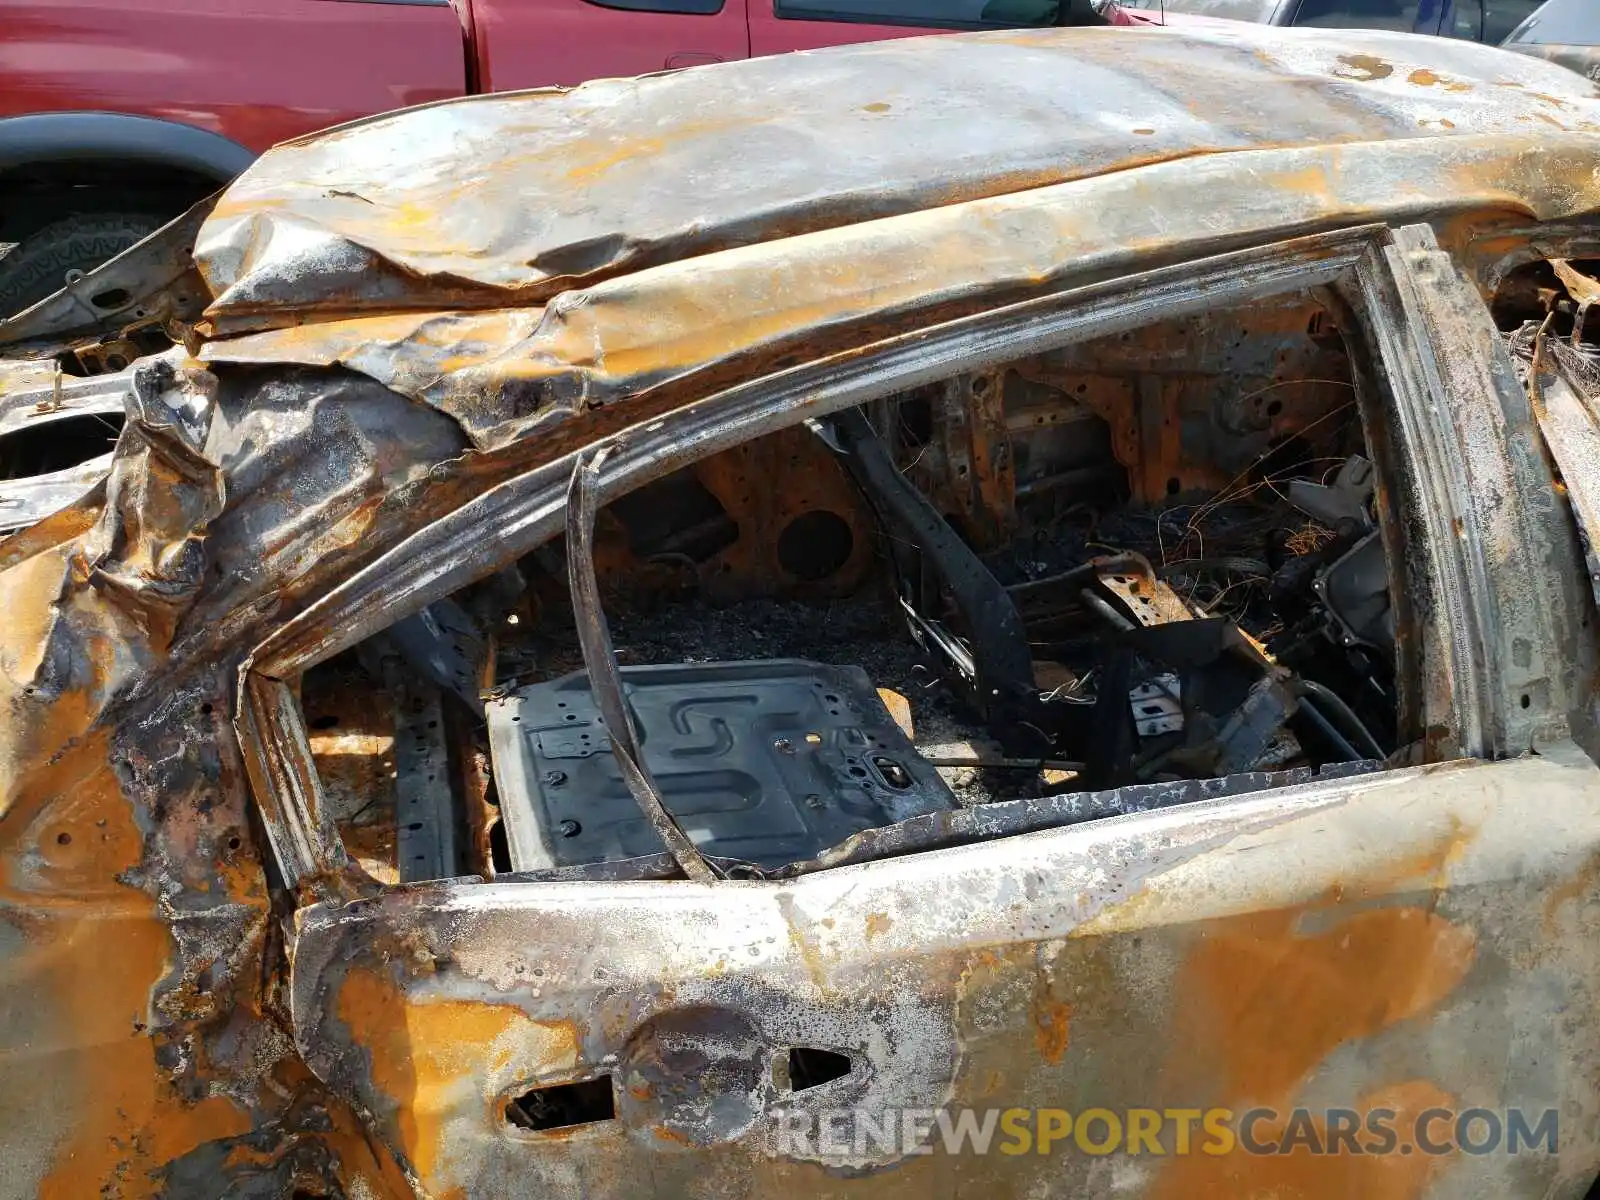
x=910, y=577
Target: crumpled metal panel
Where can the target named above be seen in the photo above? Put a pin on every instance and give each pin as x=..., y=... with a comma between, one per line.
x=139, y=1054
x=154, y=282
x=507, y=200
x=136, y=566
x=510, y=374
x=1411, y=956
x=90, y=601
x=1561, y=389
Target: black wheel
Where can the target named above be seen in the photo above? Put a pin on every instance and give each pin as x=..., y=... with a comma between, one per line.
x=46, y=260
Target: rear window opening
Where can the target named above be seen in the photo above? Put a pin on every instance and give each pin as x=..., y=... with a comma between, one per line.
x=1135, y=571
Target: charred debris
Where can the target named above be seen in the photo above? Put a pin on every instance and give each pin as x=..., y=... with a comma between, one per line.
x=1129, y=573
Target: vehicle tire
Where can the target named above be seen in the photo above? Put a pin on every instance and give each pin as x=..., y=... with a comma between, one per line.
x=38, y=266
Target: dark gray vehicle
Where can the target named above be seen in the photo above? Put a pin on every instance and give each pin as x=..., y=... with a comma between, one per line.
x=1489, y=21
x=1564, y=31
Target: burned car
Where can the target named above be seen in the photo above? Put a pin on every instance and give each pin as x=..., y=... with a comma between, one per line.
x=1048, y=572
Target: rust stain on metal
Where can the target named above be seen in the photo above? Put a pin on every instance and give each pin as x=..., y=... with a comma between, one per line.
x=424, y=1052
x=1276, y=993
x=1052, y=1025
x=899, y=709
x=98, y=947
x=104, y=980
x=1423, y=77
x=810, y=954
x=1577, y=892
x=1280, y=994
x=1364, y=67
x=608, y=155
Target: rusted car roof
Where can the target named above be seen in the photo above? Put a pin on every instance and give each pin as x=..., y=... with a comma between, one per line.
x=518, y=262
x=507, y=200
x=647, y=228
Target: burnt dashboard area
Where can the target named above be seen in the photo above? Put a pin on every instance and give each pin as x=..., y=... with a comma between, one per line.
x=1128, y=569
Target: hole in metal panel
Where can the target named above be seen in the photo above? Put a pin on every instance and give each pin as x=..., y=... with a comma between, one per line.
x=810, y=1067
x=564, y=1105
x=815, y=545
x=499, y=847
x=676, y=517
x=894, y=774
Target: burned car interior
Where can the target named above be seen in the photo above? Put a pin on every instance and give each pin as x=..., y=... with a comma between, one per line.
x=1137, y=562
x=1150, y=562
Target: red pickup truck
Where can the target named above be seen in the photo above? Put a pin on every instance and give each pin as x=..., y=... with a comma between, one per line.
x=115, y=115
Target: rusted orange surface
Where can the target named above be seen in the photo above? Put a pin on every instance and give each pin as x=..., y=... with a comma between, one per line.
x=523, y=232
x=425, y=1054
x=1272, y=999
x=1053, y=1030
x=1303, y=1175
